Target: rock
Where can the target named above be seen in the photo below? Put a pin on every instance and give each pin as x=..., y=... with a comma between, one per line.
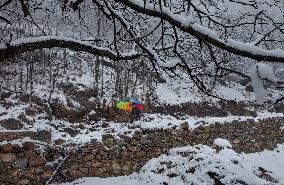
x=17, y=148
x=106, y=137
x=38, y=170
x=126, y=168
x=184, y=126
x=201, y=123
x=97, y=165
x=100, y=146
x=121, y=142
x=88, y=157
x=85, y=151
x=37, y=160
x=72, y=132
x=84, y=170
x=135, y=168
x=112, y=155
x=134, y=142
x=145, y=141
x=126, y=138
x=8, y=157
x=105, y=125
x=137, y=135
x=116, y=167
x=24, y=182
x=236, y=141
x=21, y=163
x=92, y=172
x=71, y=174
x=47, y=174
x=74, y=166
x=11, y=124
x=109, y=143
x=235, y=121
x=98, y=157
x=140, y=154
x=7, y=147
x=28, y=145
x=59, y=141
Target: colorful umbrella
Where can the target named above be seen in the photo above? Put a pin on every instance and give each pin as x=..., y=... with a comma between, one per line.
x=127, y=105
x=124, y=105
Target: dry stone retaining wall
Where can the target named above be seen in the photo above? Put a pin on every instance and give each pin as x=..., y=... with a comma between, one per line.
x=113, y=157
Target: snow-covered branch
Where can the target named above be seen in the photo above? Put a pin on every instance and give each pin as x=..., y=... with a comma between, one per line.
x=187, y=24
x=33, y=43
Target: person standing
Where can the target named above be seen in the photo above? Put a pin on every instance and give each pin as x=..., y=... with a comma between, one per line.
x=135, y=113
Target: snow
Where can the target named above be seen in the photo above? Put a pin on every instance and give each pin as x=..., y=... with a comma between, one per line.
x=250, y=47
x=224, y=143
x=92, y=112
x=23, y=140
x=172, y=94
x=47, y=38
x=260, y=72
x=272, y=161
x=265, y=71
x=182, y=90
x=160, y=121
x=55, y=162
x=3, y=46
x=193, y=164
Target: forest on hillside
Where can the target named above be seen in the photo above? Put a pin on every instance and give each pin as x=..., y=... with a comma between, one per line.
x=133, y=41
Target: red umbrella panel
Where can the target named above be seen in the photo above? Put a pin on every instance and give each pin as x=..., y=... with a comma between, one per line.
x=139, y=106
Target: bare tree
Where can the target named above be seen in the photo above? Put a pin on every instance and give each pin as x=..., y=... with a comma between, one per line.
x=201, y=37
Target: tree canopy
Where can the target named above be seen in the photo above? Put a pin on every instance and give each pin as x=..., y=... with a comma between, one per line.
x=204, y=38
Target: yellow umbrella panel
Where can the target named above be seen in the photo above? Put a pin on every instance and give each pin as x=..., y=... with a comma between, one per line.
x=124, y=105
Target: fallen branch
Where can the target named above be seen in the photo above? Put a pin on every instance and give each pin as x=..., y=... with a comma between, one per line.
x=56, y=170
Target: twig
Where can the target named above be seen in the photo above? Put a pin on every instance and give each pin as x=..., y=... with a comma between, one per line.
x=56, y=170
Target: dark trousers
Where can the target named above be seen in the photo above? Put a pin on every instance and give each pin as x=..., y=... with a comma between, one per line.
x=134, y=116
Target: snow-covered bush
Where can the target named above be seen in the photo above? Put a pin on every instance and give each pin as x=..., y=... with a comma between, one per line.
x=200, y=165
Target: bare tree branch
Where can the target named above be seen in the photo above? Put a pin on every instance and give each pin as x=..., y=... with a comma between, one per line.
x=33, y=43
x=198, y=31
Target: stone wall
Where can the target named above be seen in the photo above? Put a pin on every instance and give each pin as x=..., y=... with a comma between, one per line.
x=124, y=155
x=23, y=165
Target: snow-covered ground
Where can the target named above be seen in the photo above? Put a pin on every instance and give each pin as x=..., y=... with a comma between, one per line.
x=181, y=90
x=175, y=91
x=94, y=130
x=195, y=165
